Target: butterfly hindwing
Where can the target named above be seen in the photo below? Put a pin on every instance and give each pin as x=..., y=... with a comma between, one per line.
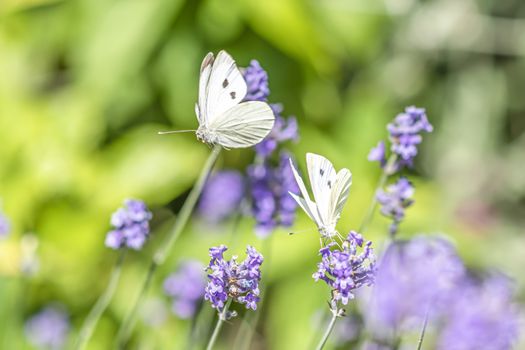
x=243, y=125
x=309, y=207
x=340, y=192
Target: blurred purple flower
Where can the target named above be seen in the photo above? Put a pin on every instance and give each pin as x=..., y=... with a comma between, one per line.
x=272, y=205
x=414, y=278
x=48, y=329
x=405, y=134
x=346, y=270
x=130, y=226
x=377, y=154
x=5, y=226
x=221, y=196
x=482, y=316
x=283, y=130
x=229, y=279
x=186, y=288
x=395, y=200
x=257, y=80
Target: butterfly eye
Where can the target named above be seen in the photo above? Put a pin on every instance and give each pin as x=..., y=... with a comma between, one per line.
x=225, y=83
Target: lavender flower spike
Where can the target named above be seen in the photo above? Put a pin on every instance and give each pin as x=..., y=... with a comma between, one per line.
x=221, y=196
x=483, y=315
x=48, y=329
x=257, y=81
x=130, y=226
x=395, y=200
x=272, y=206
x=230, y=279
x=405, y=134
x=186, y=288
x=414, y=278
x=377, y=154
x=346, y=270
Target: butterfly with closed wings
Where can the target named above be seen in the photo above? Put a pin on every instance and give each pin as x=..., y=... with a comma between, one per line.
x=330, y=190
x=223, y=118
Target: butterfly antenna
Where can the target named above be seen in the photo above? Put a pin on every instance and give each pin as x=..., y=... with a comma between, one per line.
x=174, y=132
x=296, y=232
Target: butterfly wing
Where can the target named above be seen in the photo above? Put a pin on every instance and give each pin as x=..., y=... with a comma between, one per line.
x=224, y=87
x=322, y=179
x=339, y=193
x=304, y=202
x=206, y=68
x=243, y=125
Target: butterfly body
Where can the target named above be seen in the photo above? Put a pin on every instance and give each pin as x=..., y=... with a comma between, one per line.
x=330, y=190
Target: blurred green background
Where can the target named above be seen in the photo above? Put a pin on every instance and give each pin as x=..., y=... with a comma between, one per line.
x=85, y=85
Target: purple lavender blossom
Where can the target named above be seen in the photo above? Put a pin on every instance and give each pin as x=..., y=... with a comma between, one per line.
x=395, y=200
x=186, y=288
x=405, y=134
x=346, y=270
x=482, y=316
x=229, y=279
x=377, y=154
x=221, y=196
x=272, y=205
x=48, y=329
x=414, y=278
x=257, y=80
x=283, y=130
x=5, y=226
x=130, y=226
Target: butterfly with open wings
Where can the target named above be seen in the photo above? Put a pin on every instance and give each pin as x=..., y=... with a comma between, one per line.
x=330, y=190
x=223, y=118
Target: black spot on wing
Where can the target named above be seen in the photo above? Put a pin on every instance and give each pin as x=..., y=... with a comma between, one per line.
x=232, y=94
x=321, y=171
x=329, y=184
x=225, y=83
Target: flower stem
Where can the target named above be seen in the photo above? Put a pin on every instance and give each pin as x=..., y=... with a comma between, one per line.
x=328, y=331
x=162, y=252
x=422, y=335
x=218, y=326
x=100, y=306
x=387, y=171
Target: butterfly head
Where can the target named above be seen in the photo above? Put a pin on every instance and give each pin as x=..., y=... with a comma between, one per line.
x=206, y=136
x=328, y=231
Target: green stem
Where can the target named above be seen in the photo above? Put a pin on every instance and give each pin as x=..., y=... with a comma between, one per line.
x=387, y=171
x=218, y=326
x=328, y=331
x=162, y=252
x=422, y=335
x=100, y=306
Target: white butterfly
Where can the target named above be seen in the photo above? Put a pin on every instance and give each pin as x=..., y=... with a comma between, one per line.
x=330, y=191
x=223, y=118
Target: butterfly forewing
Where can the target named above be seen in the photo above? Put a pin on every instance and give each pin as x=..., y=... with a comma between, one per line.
x=225, y=89
x=322, y=179
x=206, y=68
